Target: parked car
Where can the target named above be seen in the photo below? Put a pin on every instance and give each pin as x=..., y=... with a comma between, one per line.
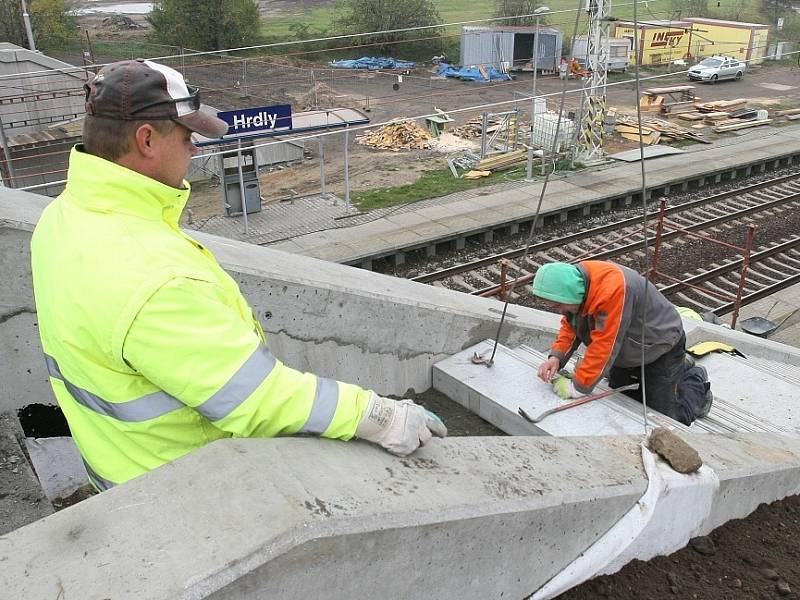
x=717, y=67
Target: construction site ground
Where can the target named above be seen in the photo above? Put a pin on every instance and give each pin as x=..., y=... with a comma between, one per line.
x=231, y=82
x=371, y=168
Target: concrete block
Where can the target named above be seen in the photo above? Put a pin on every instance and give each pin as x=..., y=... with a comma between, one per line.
x=58, y=465
x=496, y=393
x=287, y=518
x=750, y=397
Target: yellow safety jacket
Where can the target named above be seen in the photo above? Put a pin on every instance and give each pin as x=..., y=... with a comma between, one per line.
x=151, y=348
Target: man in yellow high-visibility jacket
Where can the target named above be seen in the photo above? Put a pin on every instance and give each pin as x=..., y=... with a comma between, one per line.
x=151, y=348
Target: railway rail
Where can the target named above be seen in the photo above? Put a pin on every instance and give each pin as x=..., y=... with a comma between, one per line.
x=773, y=265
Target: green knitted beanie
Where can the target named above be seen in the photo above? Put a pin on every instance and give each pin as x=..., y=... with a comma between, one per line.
x=559, y=282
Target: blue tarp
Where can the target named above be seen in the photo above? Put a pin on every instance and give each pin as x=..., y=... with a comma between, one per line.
x=471, y=73
x=372, y=63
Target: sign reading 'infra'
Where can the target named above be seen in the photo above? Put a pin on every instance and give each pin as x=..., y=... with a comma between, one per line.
x=264, y=118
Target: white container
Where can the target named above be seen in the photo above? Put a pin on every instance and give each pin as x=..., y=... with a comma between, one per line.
x=544, y=132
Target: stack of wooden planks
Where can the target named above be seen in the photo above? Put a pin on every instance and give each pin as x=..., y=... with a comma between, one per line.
x=406, y=135
x=721, y=112
x=653, y=130
x=506, y=160
x=791, y=114
x=721, y=105
x=734, y=124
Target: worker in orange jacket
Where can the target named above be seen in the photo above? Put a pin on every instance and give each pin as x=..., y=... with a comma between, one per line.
x=601, y=305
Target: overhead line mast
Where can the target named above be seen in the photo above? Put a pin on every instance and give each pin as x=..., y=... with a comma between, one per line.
x=595, y=106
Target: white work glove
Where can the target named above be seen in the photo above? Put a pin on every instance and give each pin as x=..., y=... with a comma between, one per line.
x=399, y=426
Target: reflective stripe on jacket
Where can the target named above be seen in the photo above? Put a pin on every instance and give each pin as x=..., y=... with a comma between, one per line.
x=609, y=323
x=151, y=348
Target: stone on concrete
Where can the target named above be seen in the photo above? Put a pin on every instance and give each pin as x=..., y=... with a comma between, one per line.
x=680, y=455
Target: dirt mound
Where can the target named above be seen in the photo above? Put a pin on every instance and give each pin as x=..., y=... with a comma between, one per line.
x=119, y=22
x=322, y=96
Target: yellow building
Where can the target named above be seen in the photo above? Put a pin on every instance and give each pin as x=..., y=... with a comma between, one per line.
x=744, y=41
x=660, y=42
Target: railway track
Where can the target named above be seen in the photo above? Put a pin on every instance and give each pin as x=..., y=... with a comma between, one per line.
x=774, y=263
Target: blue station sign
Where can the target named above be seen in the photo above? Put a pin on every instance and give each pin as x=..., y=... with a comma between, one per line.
x=264, y=118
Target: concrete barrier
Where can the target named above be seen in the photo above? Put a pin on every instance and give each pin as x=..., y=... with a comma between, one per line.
x=306, y=518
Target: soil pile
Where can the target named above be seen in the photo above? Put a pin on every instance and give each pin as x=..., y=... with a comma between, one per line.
x=747, y=558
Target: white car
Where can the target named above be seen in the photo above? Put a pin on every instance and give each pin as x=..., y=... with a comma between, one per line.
x=717, y=67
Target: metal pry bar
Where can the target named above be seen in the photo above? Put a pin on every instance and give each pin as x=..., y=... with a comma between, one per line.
x=574, y=403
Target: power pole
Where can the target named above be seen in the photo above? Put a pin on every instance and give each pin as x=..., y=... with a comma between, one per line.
x=27, y=20
x=590, y=139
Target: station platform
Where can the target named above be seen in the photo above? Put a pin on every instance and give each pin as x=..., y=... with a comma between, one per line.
x=783, y=309
x=322, y=228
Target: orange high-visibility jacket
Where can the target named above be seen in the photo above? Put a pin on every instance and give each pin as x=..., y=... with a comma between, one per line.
x=609, y=323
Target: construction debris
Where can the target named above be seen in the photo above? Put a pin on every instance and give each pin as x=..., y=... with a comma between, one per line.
x=653, y=130
x=405, y=135
x=721, y=105
x=476, y=174
x=472, y=128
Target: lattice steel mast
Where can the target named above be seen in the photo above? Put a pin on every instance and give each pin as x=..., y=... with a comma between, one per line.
x=590, y=139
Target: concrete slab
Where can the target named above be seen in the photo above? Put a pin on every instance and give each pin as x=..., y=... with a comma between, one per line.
x=755, y=397
x=497, y=393
x=327, y=519
x=21, y=498
x=58, y=465
x=462, y=518
x=649, y=152
x=783, y=308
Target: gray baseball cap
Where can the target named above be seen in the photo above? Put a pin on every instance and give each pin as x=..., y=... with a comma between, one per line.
x=133, y=90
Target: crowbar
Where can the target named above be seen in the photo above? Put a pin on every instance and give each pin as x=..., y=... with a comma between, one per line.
x=578, y=402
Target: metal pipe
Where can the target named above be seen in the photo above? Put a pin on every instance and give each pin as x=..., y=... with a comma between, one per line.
x=503, y=276
x=7, y=152
x=241, y=185
x=657, y=244
x=347, y=168
x=484, y=126
x=751, y=231
x=322, y=192
x=27, y=19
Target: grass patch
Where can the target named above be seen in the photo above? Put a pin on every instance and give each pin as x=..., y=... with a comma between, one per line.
x=440, y=182
x=432, y=184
